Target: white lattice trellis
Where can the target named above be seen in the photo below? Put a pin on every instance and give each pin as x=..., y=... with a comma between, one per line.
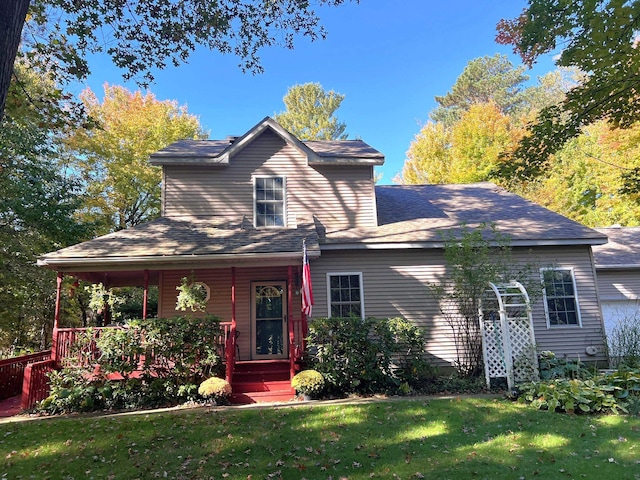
x=508, y=340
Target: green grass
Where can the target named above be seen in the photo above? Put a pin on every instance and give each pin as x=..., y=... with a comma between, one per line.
x=397, y=439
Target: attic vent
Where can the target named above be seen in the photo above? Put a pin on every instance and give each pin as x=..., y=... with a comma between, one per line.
x=232, y=138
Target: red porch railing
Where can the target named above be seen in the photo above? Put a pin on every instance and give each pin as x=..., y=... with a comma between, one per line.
x=12, y=372
x=33, y=381
x=35, y=386
x=64, y=345
x=299, y=335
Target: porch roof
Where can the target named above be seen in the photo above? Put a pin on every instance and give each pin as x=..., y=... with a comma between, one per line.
x=176, y=241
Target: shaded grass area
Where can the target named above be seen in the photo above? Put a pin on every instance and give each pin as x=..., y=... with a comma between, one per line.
x=395, y=439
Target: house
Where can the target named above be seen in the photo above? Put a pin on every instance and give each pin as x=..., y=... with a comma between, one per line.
x=618, y=267
x=235, y=214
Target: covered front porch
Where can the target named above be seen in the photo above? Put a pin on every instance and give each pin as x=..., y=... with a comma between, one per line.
x=263, y=326
x=252, y=279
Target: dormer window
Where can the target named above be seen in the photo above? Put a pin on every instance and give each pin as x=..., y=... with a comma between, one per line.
x=269, y=198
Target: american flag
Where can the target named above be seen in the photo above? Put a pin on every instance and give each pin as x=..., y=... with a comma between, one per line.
x=307, y=292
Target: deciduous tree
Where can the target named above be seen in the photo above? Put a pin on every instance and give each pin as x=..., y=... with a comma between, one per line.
x=38, y=200
x=429, y=156
x=599, y=37
x=143, y=35
x=123, y=188
x=310, y=113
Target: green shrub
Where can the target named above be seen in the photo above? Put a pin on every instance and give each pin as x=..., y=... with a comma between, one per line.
x=308, y=382
x=605, y=393
x=70, y=391
x=184, y=347
x=120, y=350
x=571, y=396
x=179, y=353
x=411, y=368
x=357, y=355
x=215, y=388
x=551, y=367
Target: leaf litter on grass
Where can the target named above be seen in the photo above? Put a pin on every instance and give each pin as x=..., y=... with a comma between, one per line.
x=395, y=439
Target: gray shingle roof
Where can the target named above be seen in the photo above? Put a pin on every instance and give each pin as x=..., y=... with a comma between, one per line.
x=193, y=148
x=623, y=249
x=343, y=148
x=419, y=213
x=193, y=151
x=406, y=214
x=218, y=152
x=189, y=236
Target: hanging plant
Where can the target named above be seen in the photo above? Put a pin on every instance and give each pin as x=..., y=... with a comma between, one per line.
x=192, y=295
x=99, y=296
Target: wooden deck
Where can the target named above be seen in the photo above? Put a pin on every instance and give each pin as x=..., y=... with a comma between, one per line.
x=10, y=407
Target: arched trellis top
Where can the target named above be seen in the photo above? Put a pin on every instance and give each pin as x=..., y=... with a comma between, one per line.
x=508, y=339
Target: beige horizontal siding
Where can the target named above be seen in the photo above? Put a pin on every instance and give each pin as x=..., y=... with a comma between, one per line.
x=219, y=281
x=619, y=284
x=571, y=341
x=395, y=284
x=339, y=196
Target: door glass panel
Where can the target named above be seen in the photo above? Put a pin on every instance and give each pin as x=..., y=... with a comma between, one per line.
x=269, y=310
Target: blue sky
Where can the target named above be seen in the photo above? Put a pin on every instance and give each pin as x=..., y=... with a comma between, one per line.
x=388, y=57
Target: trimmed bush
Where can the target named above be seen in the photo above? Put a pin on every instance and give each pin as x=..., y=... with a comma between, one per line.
x=308, y=382
x=215, y=388
x=365, y=356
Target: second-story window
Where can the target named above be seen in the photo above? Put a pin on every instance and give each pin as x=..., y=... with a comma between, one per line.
x=269, y=202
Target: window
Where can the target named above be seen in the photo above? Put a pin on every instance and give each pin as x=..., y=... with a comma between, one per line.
x=561, y=300
x=345, y=294
x=269, y=201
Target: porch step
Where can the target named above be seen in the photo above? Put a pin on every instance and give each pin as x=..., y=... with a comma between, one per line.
x=261, y=366
x=260, y=376
x=261, y=381
x=245, y=398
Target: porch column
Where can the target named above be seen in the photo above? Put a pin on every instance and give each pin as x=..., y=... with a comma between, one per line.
x=230, y=343
x=56, y=318
x=292, y=353
x=145, y=295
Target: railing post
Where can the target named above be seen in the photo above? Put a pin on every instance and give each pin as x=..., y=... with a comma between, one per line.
x=54, y=344
x=25, y=399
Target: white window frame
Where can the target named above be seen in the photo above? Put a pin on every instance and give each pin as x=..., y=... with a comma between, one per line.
x=284, y=201
x=360, y=285
x=575, y=297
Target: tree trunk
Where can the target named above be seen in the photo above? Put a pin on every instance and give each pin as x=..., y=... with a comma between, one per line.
x=12, y=18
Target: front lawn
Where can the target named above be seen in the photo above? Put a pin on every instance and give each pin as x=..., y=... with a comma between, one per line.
x=395, y=439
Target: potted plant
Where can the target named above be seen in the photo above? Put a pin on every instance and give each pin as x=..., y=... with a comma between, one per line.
x=308, y=383
x=216, y=389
